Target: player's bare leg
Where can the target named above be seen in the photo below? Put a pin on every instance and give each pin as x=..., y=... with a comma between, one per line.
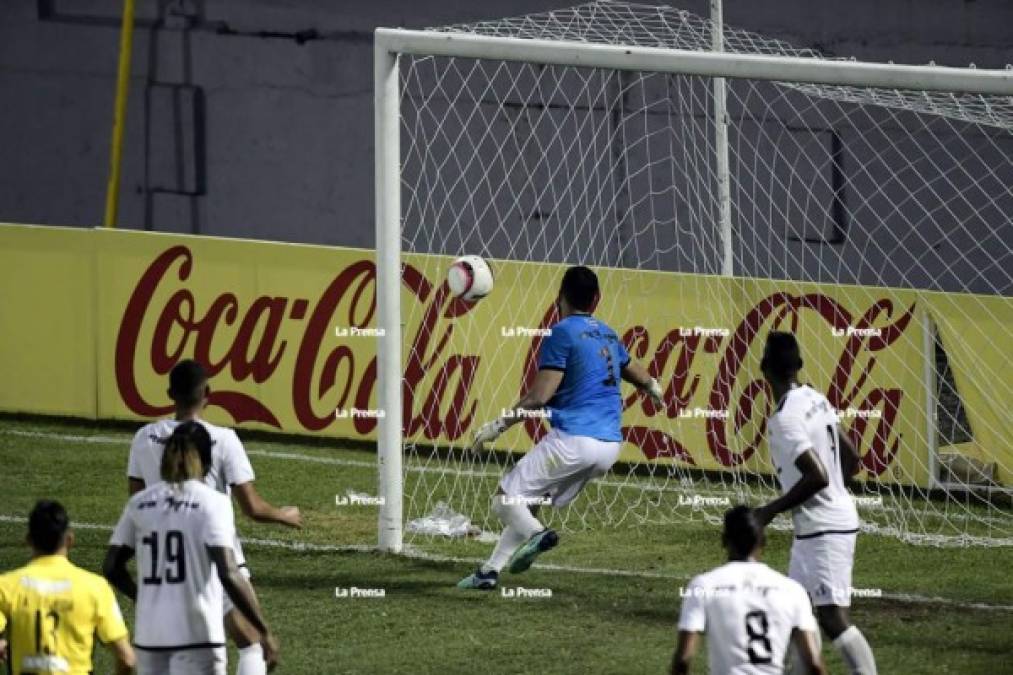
x=848, y=640
x=247, y=641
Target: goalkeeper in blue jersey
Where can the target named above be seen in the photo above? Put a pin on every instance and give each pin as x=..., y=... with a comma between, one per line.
x=580, y=367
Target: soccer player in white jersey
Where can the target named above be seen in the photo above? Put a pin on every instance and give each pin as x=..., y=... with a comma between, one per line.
x=230, y=473
x=812, y=459
x=749, y=612
x=580, y=367
x=183, y=533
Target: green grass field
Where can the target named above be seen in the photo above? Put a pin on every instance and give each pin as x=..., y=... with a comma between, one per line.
x=615, y=591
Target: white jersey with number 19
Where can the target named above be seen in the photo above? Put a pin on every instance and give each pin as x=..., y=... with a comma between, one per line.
x=748, y=612
x=805, y=420
x=179, y=595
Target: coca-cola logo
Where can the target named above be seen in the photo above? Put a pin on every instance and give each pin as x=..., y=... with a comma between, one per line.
x=323, y=378
x=164, y=321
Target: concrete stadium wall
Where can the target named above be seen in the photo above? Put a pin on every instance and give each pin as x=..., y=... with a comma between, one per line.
x=287, y=114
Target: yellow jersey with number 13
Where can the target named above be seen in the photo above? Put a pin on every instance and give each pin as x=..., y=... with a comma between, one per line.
x=52, y=610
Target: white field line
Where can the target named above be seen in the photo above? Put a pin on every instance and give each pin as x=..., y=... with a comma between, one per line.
x=335, y=461
x=598, y=571
x=870, y=527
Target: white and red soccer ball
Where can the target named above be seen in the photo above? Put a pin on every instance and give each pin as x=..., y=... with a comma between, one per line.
x=470, y=278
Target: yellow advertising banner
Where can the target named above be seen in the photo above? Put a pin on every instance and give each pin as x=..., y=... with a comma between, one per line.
x=702, y=337
x=48, y=343
x=287, y=333
x=975, y=337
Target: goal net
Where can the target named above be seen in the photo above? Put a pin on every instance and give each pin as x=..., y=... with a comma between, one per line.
x=872, y=221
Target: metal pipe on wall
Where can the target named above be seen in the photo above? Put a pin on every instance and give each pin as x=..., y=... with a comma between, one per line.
x=119, y=115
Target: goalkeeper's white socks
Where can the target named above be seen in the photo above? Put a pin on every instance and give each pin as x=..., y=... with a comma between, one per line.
x=856, y=652
x=251, y=661
x=508, y=542
x=520, y=525
x=516, y=515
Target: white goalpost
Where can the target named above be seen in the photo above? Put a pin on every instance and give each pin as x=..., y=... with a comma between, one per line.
x=722, y=184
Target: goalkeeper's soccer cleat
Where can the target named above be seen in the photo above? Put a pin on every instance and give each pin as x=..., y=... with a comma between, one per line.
x=482, y=581
x=539, y=543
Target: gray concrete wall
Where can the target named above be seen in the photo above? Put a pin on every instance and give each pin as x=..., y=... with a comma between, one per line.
x=287, y=124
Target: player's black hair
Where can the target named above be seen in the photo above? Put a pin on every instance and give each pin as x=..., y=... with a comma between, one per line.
x=47, y=526
x=580, y=288
x=743, y=533
x=187, y=383
x=179, y=450
x=782, y=357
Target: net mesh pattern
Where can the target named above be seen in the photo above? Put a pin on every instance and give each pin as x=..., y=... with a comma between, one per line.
x=885, y=197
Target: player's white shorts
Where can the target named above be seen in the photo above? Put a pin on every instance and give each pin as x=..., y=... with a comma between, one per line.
x=198, y=661
x=823, y=566
x=227, y=605
x=559, y=467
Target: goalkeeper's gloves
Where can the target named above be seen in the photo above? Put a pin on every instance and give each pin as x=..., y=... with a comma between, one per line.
x=653, y=390
x=489, y=431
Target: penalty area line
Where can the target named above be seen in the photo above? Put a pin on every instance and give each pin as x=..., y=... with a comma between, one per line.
x=416, y=554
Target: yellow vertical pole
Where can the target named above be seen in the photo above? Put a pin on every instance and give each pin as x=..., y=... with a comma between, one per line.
x=119, y=115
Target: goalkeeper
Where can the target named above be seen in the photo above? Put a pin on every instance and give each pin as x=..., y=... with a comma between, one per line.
x=580, y=366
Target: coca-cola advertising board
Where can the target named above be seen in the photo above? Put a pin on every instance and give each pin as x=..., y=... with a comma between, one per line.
x=97, y=318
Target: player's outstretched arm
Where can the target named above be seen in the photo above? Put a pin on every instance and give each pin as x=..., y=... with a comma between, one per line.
x=808, y=652
x=260, y=510
x=637, y=375
x=547, y=381
x=242, y=596
x=114, y=569
x=814, y=478
x=126, y=660
x=685, y=650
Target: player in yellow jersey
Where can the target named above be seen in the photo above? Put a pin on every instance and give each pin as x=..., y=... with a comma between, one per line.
x=51, y=610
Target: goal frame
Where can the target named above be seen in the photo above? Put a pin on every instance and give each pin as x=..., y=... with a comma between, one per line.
x=389, y=43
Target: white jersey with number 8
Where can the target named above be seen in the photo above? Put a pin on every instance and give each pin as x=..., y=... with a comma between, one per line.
x=748, y=612
x=805, y=420
x=179, y=595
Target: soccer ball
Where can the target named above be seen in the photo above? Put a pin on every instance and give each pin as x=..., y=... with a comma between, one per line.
x=470, y=278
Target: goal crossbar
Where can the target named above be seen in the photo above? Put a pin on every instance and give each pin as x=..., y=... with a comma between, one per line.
x=686, y=62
